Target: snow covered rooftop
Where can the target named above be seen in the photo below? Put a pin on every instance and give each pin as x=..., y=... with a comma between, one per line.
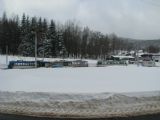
x=122, y=57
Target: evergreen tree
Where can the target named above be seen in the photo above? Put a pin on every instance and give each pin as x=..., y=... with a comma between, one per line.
x=85, y=39
x=24, y=47
x=23, y=38
x=40, y=38
x=14, y=35
x=4, y=33
x=28, y=32
x=51, y=39
x=60, y=46
x=31, y=36
x=46, y=45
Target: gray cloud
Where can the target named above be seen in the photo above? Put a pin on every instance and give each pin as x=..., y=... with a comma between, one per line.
x=127, y=18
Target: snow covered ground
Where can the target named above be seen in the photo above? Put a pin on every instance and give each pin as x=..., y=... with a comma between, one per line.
x=87, y=79
x=80, y=80
x=85, y=92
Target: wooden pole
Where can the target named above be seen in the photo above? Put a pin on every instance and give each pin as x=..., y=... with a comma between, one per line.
x=35, y=50
x=6, y=54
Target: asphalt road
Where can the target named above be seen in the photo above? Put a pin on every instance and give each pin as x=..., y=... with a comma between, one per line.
x=22, y=117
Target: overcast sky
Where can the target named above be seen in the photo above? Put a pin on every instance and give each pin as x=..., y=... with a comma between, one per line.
x=139, y=19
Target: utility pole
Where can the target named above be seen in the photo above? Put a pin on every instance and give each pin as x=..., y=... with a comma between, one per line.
x=44, y=48
x=43, y=55
x=137, y=55
x=6, y=54
x=35, y=50
x=137, y=58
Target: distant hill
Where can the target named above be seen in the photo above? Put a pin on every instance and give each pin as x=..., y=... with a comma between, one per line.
x=146, y=43
x=142, y=43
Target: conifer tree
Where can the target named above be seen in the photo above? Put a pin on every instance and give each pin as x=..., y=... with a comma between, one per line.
x=28, y=30
x=23, y=37
x=51, y=39
x=40, y=38
x=60, y=46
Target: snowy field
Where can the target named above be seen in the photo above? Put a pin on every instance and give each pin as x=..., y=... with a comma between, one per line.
x=76, y=80
x=89, y=79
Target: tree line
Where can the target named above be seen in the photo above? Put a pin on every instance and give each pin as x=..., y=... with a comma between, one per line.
x=56, y=40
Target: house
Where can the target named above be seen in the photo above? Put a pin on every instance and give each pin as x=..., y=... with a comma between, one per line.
x=127, y=59
x=147, y=57
x=150, y=59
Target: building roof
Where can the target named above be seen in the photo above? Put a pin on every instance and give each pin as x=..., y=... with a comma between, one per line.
x=122, y=57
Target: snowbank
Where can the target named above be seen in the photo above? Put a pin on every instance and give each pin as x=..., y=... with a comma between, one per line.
x=79, y=105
